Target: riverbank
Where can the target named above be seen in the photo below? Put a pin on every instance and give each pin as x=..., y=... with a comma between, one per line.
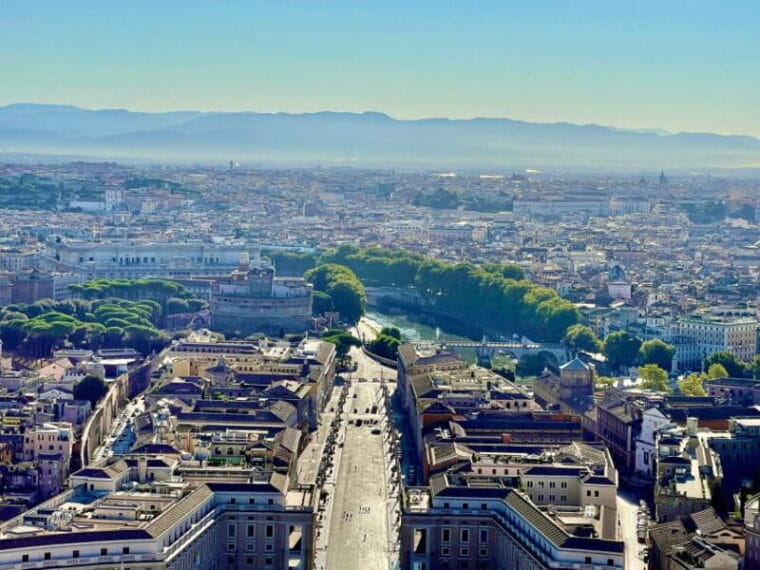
x=411, y=330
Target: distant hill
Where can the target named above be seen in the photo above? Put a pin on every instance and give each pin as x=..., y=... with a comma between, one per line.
x=358, y=139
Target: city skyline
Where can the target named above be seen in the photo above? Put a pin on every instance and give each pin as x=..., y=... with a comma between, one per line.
x=639, y=67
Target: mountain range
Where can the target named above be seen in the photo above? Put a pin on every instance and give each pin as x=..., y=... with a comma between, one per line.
x=368, y=139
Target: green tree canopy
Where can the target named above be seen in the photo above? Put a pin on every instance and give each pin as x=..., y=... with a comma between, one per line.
x=655, y=378
x=602, y=383
x=343, y=342
x=717, y=371
x=321, y=303
x=580, y=337
x=343, y=287
x=755, y=367
x=693, y=385
x=91, y=388
x=733, y=366
x=621, y=349
x=657, y=352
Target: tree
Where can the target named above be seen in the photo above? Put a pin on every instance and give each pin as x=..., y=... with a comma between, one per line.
x=392, y=332
x=385, y=346
x=657, y=352
x=621, y=349
x=91, y=388
x=343, y=342
x=580, y=337
x=734, y=367
x=602, y=383
x=755, y=367
x=531, y=365
x=716, y=371
x=321, y=303
x=343, y=287
x=655, y=378
x=693, y=385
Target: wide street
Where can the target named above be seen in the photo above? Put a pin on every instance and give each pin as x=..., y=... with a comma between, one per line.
x=359, y=523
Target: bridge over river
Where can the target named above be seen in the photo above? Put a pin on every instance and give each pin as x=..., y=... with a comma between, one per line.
x=554, y=353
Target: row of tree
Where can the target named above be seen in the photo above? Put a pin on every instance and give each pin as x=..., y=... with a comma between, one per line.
x=111, y=323
x=160, y=290
x=110, y=313
x=496, y=296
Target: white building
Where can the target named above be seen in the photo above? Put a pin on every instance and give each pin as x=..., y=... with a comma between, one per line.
x=712, y=333
x=652, y=420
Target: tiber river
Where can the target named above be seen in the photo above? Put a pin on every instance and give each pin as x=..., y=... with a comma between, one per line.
x=415, y=331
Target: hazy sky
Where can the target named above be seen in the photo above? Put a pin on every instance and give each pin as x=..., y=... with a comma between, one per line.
x=687, y=65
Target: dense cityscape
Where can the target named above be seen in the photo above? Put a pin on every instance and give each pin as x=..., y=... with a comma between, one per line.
x=389, y=285
x=221, y=382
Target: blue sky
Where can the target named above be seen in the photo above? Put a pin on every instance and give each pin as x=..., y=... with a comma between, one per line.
x=672, y=64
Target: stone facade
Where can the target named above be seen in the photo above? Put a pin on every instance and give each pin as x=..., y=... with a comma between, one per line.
x=251, y=300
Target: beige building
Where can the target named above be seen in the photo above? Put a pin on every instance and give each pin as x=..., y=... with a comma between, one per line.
x=163, y=525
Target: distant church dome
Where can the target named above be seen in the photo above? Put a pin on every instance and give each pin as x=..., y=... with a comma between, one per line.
x=616, y=273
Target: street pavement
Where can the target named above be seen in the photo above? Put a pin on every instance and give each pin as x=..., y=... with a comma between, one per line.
x=628, y=506
x=359, y=530
x=356, y=522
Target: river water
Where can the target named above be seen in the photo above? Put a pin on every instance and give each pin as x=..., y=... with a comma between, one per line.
x=412, y=330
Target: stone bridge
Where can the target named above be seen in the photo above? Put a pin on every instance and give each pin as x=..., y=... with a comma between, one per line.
x=554, y=353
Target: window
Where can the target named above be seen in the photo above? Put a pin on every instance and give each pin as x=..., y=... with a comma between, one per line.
x=249, y=560
x=445, y=551
x=483, y=535
x=269, y=547
x=103, y=551
x=233, y=500
x=483, y=552
x=465, y=505
x=47, y=556
x=269, y=530
x=24, y=558
x=464, y=552
x=596, y=493
x=446, y=535
x=75, y=554
x=588, y=560
x=250, y=530
x=268, y=561
x=464, y=535
x=231, y=530
x=125, y=550
x=250, y=547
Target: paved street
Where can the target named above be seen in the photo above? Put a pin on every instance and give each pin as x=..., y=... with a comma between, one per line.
x=357, y=516
x=627, y=515
x=359, y=521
